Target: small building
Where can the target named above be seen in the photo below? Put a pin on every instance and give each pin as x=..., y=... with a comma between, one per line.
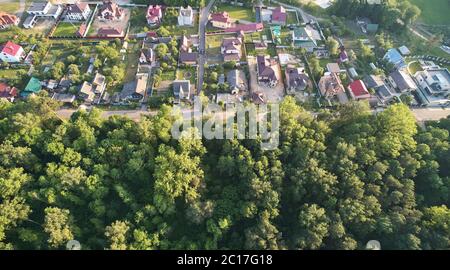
x=302, y=39
x=78, y=12
x=343, y=55
x=154, y=15
x=186, y=16
x=147, y=56
x=395, y=58
x=110, y=11
x=136, y=90
x=221, y=20
x=237, y=81
x=8, y=20
x=353, y=73
x=330, y=86
x=358, y=90
x=33, y=87
x=404, y=50
x=267, y=74
x=372, y=27
x=296, y=80
x=11, y=52
x=64, y=98
x=7, y=92
x=181, y=90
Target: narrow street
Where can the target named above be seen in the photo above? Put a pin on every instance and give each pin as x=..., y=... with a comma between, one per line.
x=203, y=21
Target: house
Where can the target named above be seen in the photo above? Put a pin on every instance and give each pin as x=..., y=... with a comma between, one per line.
x=231, y=48
x=330, y=85
x=93, y=92
x=186, y=16
x=78, y=12
x=353, y=73
x=404, y=50
x=302, y=39
x=267, y=74
x=395, y=58
x=372, y=27
x=434, y=84
x=358, y=90
x=64, y=83
x=279, y=16
x=181, y=89
x=260, y=46
x=136, y=90
x=188, y=58
x=110, y=32
x=154, y=15
x=147, y=56
x=343, y=56
x=402, y=81
x=33, y=86
x=187, y=42
x=237, y=81
x=296, y=79
x=221, y=20
x=7, y=92
x=246, y=28
x=333, y=68
x=51, y=84
x=7, y=20
x=11, y=52
x=110, y=11
x=64, y=98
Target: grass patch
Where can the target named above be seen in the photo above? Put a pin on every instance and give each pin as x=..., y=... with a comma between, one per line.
x=213, y=44
x=168, y=75
x=187, y=74
x=414, y=67
x=9, y=74
x=239, y=13
x=10, y=8
x=65, y=29
x=433, y=11
x=292, y=18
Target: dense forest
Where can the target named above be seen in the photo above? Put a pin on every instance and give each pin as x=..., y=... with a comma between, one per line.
x=335, y=182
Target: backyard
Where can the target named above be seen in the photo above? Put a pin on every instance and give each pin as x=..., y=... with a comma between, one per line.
x=188, y=73
x=238, y=13
x=66, y=29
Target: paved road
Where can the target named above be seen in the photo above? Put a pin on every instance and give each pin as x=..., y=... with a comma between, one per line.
x=204, y=14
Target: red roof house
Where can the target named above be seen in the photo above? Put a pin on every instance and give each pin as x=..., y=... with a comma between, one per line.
x=358, y=90
x=154, y=15
x=221, y=20
x=279, y=16
x=7, y=92
x=11, y=52
x=110, y=32
x=7, y=20
x=246, y=28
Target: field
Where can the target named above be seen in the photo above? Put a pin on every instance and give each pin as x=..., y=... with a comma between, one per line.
x=10, y=8
x=239, y=13
x=434, y=11
x=9, y=74
x=66, y=29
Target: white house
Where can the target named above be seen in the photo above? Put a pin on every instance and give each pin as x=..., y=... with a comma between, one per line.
x=78, y=11
x=11, y=52
x=186, y=16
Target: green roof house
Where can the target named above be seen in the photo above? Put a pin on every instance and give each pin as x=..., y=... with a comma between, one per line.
x=372, y=27
x=301, y=38
x=33, y=87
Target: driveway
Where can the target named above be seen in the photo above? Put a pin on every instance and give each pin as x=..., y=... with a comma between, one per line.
x=203, y=21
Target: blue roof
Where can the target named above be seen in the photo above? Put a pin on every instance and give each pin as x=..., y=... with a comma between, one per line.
x=394, y=57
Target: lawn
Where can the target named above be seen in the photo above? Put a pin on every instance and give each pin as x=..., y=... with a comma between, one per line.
x=9, y=74
x=132, y=61
x=239, y=13
x=168, y=75
x=213, y=43
x=292, y=18
x=187, y=74
x=434, y=11
x=65, y=29
x=10, y=8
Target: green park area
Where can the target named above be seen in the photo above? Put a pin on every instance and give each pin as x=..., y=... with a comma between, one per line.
x=433, y=11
